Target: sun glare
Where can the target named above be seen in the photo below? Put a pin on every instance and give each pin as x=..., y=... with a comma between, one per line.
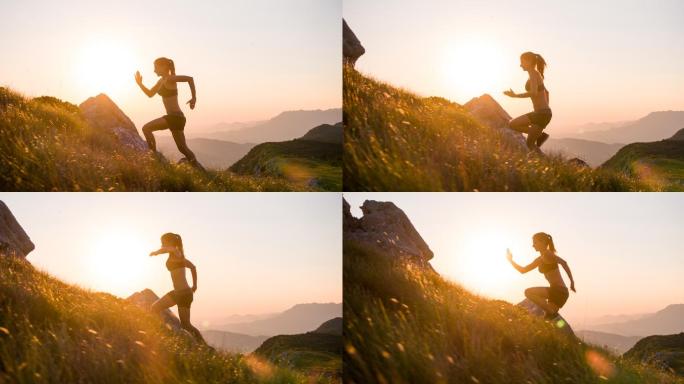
x=105, y=66
x=117, y=262
x=474, y=67
x=481, y=264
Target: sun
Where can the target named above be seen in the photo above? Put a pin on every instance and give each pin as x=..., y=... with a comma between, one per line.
x=105, y=65
x=473, y=67
x=118, y=261
x=480, y=263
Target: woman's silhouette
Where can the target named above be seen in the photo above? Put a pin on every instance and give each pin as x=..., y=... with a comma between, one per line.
x=174, y=119
x=182, y=294
x=533, y=123
x=552, y=298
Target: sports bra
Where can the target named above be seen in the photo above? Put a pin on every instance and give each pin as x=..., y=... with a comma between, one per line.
x=174, y=263
x=527, y=87
x=166, y=92
x=547, y=267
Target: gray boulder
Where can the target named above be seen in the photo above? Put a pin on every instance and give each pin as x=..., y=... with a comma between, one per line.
x=145, y=298
x=386, y=228
x=102, y=113
x=490, y=113
x=13, y=240
x=559, y=322
x=351, y=46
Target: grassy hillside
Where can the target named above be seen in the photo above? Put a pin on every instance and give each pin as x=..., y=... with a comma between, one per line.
x=404, y=324
x=45, y=145
x=398, y=141
x=53, y=332
x=311, y=352
x=659, y=164
x=299, y=161
x=664, y=350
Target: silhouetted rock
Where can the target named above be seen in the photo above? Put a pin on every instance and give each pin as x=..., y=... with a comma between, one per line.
x=325, y=133
x=101, y=113
x=351, y=46
x=663, y=351
x=388, y=229
x=679, y=136
x=576, y=161
x=559, y=322
x=489, y=113
x=332, y=326
x=13, y=240
x=145, y=298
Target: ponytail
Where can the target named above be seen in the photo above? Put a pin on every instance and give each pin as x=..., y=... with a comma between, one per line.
x=546, y=238
x=168, y=63
x=541, y=66
x=172, y=67
x=179, y=241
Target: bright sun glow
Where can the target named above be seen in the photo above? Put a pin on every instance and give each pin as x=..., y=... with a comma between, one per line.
x=105, y=66
x=117, y=262
x=474, y=67
x=481, y=264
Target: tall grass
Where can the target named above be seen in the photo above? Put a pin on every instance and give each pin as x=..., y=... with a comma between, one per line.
x=52, y=332
x=45, y=145
x=395, y=140
x=404, y=324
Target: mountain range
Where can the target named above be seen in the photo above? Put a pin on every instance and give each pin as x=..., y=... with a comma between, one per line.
x=652, y=127
x=667, y=321
x=285, y=126
x=213, y=154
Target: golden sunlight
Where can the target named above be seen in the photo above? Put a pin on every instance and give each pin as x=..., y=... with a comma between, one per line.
x=473, y=67
x=118, y=261
x=105, y=66
x=481, y=263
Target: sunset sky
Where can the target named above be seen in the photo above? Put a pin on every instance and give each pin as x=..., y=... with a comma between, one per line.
x=255, y=252
x=624, y=250
x=251, y=59
x=609, y=60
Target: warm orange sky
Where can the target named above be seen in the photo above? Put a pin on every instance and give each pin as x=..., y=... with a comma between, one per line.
x=250, y=59
x=254, y=252
x=609, y=60
x=624, y=249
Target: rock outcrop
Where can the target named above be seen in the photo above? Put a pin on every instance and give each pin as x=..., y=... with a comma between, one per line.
x=679, y=136
x=488, y=112
x=325, y=133
x=102, y=113
x=559, y=322
x=145, y=298
x=387, y=229
x=13, y=239
x=351, y=46
x=663, y=351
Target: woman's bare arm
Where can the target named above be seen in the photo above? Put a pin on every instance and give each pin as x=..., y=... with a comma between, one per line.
x=193, y=271
x=161, y=251
x=519, y=267
x=191, y=82
x=535, y=80
x=566, y=267
x=148, y=92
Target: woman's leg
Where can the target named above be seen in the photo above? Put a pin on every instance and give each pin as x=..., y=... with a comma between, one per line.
x=179, y=138
x=520, y=124
x=184, y=315
x=154, y=125
x=534, y=132
x=163, y=303
x=540, y=296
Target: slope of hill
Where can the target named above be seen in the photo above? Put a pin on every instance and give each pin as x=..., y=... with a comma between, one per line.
x=403, y=323
x=394, y=140
x=665, y=351
x=659, y=164
x=233, y=342
x=652, y=127
x=298, y=319
x=314, y=352
x=50, y=145
x=667, y=321
x=593, y=152
x=58, y=333
x=617, y=344
x=213, y=154
x=301, y=161
x=286, y=126
x=332, y=326
x=325, y=133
